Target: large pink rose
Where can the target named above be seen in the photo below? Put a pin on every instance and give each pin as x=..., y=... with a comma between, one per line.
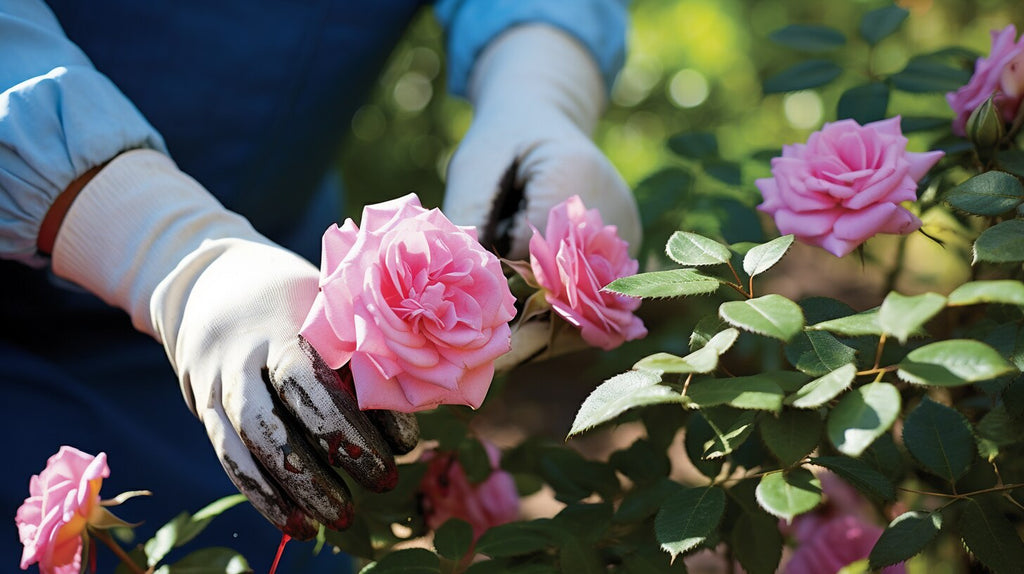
x=1001, y=74
x=577, y=257
x=416, y=306
x=845, y=185
x=52, y=519
x=447, y=493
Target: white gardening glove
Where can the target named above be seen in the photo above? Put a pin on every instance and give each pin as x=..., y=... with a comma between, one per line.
x=537, y=94
x=227, y=304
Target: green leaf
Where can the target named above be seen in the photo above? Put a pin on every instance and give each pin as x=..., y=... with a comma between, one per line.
x=911, y=124
x=817, y=353
x=727, y=172
x=703, y=360
x=861, y=416
x=642, y=462
x=865, y=103
x=762, y=257
x=474, y=460
x=688, y=517
x=1001, y=243
x=699, y=434
x=940, y=439
x=988, y=194
x=354, y=540
x=694, y=250
x=407, y=561
x=453, y=539
x=574, y=478
x=574, y=557
x=184, y=527
x=658, y=284
x=791, y=435
x=756, y=542
x=441, y=425
x=751, y=392
x=990, y=537
x=787, y=494
x=802, y=76
x=823, y=389
x=1004, y=291
x=905, y=537
x=769, y=315
x=927, y=75
x=644, y=501
x=215, y=560
x=1011, y=160
x=515, y=539
x=860, y=475
x=878, y=24
x=619, y=394
x=731, y=428
x=902, y=316
x=588, y=521
x=694, y=145
x=953, y=363
x=808, y=38
x=863, y=323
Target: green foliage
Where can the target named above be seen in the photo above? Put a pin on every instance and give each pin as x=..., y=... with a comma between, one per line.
x=688, y=517
x=861, y=416
x=940, y=439
x=787, y=494
x=905, y=536
x=672, y=283
x=770, y=315
x=808, y=38
x=988, y=194
x=805, y=75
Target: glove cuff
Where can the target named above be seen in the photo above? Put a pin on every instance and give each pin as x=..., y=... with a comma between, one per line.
x=132, y=224
x=536, y=68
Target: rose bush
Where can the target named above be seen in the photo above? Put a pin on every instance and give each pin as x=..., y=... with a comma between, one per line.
x=414, y=304
x=845, y=185
x=62, y=498
x=572, y=261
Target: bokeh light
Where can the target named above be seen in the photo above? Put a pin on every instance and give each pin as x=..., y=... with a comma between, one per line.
x=688, y=88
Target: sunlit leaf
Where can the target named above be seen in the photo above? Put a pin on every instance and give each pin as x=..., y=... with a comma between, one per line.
x=818, y=353
x=621, y=393
x=770, y=315
x=996, y=291
x=215, y=560
x=731, y=427
x=823, y=389
x=953, y=363
x=693, y=250
x=688, y=517
x=703, y=360
x=902, y=315
x=861, y=416
x=762, y=257
x=751, y=392
x=864, y=323
x=787, y=494
x=989, y=193
x=658, y=284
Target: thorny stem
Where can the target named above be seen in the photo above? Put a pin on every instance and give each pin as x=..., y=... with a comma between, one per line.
x=104, y=537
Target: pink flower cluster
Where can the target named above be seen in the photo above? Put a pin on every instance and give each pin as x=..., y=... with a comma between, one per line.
x=416, y=306
x=577, y=256
x=52, y=520
x=845, y=185
x=447, y=493
x=1001, y=75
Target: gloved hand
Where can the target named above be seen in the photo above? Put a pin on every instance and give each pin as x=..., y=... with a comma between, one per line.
x=537, y=94
x=227, y=304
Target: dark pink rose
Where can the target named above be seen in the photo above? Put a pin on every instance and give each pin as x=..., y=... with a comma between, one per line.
x=835, y=543
x=53, y=518
x=845, y=185
x=416, y=306
x=1001, y=75
x=577, y=256
x=447, y=493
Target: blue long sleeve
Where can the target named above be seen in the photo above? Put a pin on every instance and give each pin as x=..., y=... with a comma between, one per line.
x=600, y=25
x=58, y=117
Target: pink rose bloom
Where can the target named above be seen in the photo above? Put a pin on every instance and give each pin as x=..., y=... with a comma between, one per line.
x=1002, y=74
x=577, y=257
x=447, y=493
x=845, y=185
x=52, y=519
x=414, y=304
x=836, y=543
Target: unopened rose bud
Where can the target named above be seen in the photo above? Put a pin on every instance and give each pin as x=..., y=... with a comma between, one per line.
x=984, y=126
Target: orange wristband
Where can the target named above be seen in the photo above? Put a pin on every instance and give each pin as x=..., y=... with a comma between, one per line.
x=55, y=215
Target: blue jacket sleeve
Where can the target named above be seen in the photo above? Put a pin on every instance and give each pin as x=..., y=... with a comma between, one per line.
x=58, y=118
x=469, y=25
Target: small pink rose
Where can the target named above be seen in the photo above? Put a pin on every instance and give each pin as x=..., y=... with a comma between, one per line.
x=845, y=185
x=447, y=493
x=1001, y=75
x=53, y=518
x=577, y=256
x=416, y=306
